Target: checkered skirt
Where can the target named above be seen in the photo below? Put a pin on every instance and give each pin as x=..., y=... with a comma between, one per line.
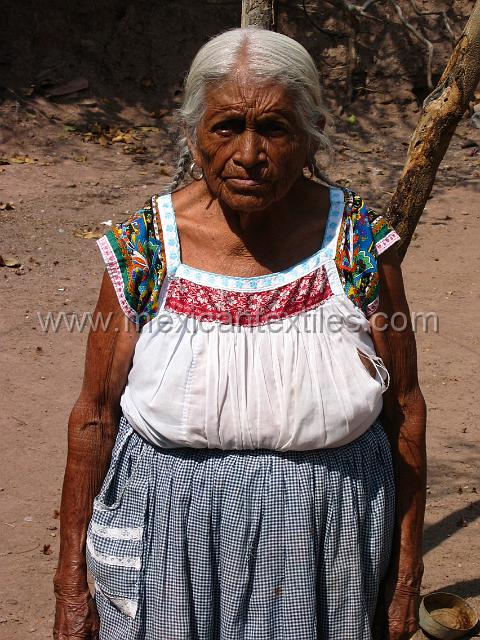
x=209, y=544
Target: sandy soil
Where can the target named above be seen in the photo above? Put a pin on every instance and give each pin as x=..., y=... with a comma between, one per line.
x=74, y=187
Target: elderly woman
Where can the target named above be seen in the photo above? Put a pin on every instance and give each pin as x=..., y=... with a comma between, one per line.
x=237, y=468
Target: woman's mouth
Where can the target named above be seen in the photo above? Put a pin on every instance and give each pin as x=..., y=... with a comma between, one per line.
x=246, y=182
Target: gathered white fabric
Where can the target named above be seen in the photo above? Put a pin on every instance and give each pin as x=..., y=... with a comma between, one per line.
x=289, y=379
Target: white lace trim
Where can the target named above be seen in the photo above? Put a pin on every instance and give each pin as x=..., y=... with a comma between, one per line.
x=115, y=274
x=117, y=533
x=125, y=605
x=133, y=562
x=265, y=282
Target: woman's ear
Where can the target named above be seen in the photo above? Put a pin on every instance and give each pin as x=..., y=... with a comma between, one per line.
x=193, y=150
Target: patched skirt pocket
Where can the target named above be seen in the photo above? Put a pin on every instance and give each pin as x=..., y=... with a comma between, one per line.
x=115, y=536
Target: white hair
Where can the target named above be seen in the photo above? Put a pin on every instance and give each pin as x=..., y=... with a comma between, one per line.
x=266, y=56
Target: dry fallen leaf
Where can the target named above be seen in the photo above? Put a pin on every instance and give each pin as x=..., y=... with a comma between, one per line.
x=148, y=129
x=87, y=235
x=80, y=158
x=6, y=206
x=127, y=138
x=103, y=140
x=21, y=160
x=106, y=135
x=139, y=149
x=9, y=262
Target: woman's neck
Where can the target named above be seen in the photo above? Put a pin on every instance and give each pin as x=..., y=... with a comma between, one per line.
x=211, y=234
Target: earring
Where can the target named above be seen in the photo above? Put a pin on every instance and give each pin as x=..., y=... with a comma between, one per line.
x=195, y=172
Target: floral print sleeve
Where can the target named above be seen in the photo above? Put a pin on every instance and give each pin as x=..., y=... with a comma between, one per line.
x=135, y=261
x=364, y=235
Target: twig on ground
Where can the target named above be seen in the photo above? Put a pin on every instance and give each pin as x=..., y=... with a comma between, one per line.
x=16, y=553
x=367, y=4
x=420, y=37
x=20, y=100
x=442, y=13
x=326, y=32
x=354, y=10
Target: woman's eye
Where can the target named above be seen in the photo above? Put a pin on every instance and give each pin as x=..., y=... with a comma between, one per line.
x=236, y=127
x=272, y=128
x=229, y=127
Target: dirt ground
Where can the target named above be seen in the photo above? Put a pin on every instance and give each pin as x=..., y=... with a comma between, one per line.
x=58, y=191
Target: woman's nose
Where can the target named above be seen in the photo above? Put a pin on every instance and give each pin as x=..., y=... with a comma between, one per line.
x=250, y=150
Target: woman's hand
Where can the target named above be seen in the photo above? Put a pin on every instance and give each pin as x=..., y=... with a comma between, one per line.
x=76, y=617
x=396, y=617
x=402, y=615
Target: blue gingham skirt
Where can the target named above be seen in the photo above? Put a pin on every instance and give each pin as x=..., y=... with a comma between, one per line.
x=208, y=544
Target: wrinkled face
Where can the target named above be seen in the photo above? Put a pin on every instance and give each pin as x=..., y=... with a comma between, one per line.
x=249, y=144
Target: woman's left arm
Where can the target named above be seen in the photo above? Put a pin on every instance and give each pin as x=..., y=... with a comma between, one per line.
x=404, y=420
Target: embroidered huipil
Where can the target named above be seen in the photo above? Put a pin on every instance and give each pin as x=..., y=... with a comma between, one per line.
x=245, y=363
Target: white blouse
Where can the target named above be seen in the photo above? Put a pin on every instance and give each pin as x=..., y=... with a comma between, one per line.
x=246, y=363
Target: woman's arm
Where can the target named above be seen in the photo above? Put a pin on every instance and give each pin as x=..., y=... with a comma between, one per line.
x=404, y=419
x=92, y=429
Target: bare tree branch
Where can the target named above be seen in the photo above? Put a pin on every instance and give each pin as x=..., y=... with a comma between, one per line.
x=446, y=21
x=326, y=32
x=420, y=37
x=441, y=113
x=367, y=4
x=354, y=13
x=352, y=9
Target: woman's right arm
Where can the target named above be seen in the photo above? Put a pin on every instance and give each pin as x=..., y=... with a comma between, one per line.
x=92, y=429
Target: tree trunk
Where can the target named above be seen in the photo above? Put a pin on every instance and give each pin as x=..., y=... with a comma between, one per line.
x=259, y=13
x=441, y=113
